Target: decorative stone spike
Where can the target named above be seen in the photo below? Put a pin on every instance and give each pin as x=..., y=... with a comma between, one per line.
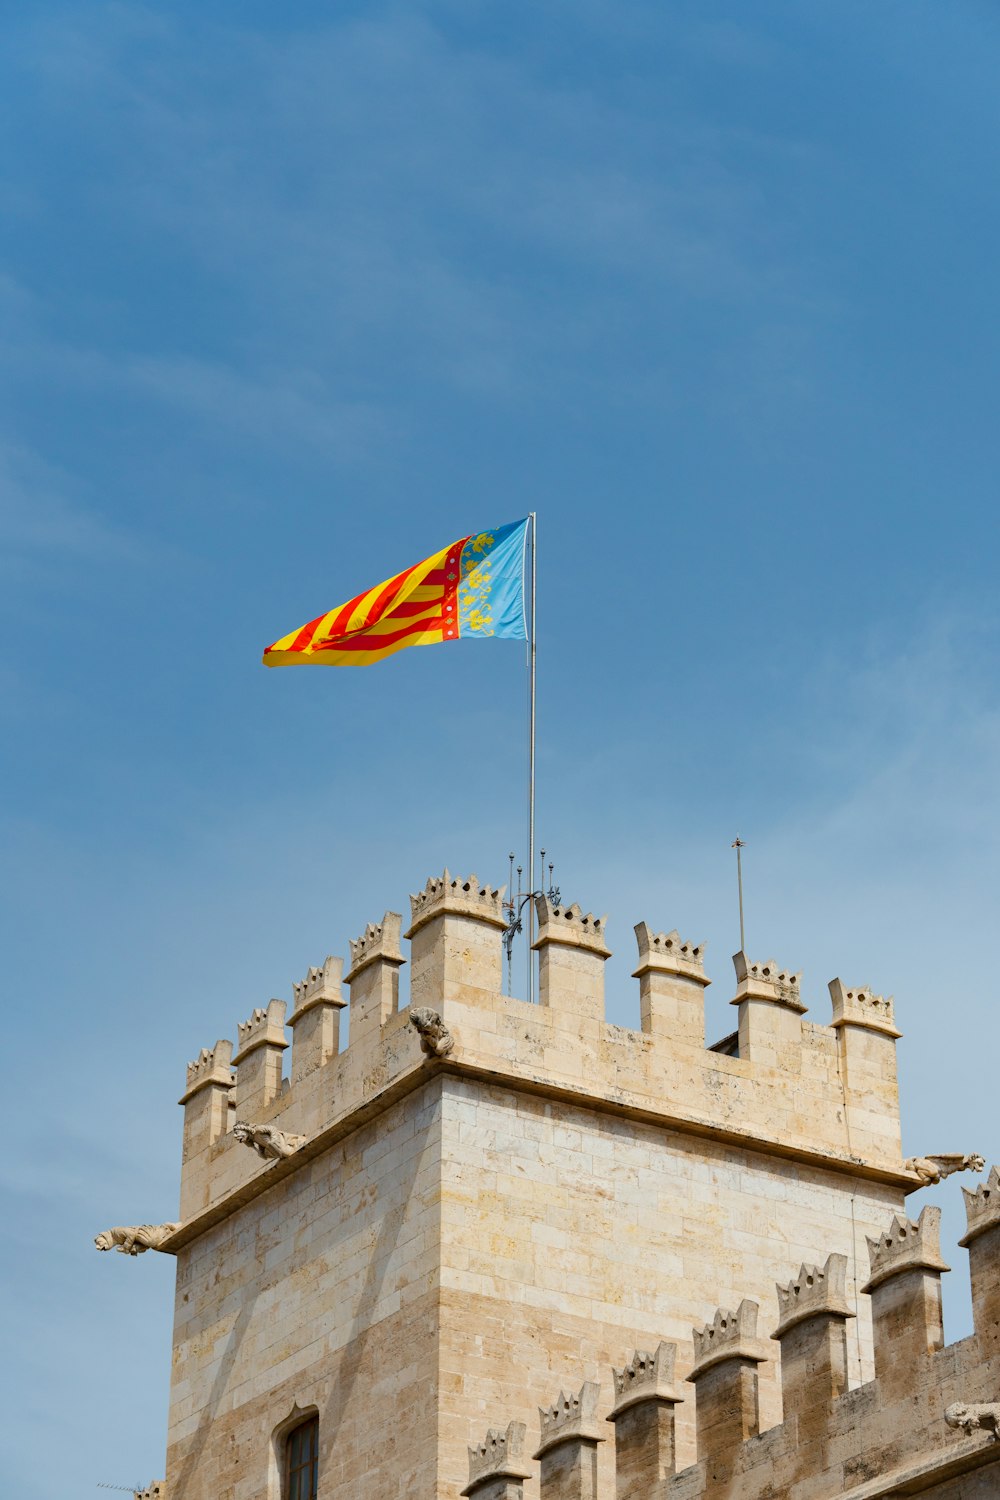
x=570, y=925
x=264, y=1028
x=860, y=1006
x=646, y=1376
x=212, y=1065
x=814, y=1291
x=669, y=953
x=320, y=986
x=447, y=893
x=570, y=1417
x=499, y=1456
x=767, y=981
x=379, y=940
x=906, y=1246
x=982, y=1207
x=730, y=1335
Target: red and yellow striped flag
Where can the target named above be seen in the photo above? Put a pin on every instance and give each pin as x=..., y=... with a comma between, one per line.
x=475, y=587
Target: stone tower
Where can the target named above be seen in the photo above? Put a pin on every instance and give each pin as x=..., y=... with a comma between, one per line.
x=479, y=1203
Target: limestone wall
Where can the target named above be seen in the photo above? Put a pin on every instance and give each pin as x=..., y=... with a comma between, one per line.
x=321, y=1292
x=451, y=1218
x=567, y=1236
x=928, y=1423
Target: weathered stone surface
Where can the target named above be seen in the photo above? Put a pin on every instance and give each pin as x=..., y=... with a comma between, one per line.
x=447, y=1243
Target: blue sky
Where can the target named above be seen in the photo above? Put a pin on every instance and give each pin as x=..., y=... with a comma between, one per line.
x=293, y=297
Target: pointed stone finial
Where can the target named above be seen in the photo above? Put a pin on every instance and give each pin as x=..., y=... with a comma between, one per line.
x=646, y=1376
x=906, y=1246
x=767, y=981
x=730, y=1335
x=320, y=986
x=499, y=1456
x=668, y=953
x=447, y=893
x=211, y=1066
x=814, y=1291
x=379, y=940
x=860, y=1006
x=982, y=1207
x=571, y=1417
x=570, y=925
x=264, y=1028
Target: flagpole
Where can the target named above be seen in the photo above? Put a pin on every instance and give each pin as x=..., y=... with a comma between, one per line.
x=531, y=764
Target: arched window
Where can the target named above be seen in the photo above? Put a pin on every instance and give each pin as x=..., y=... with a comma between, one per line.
x=301, y=1477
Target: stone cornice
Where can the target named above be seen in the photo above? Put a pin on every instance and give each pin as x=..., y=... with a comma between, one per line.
x=422, y=1070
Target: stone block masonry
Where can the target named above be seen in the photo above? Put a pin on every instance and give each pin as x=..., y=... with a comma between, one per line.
x=466, y=1227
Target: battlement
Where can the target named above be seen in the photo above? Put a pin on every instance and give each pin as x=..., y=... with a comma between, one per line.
x=919, y=1432
x=767, y=981
x=823, y=1094
x=669, y=953
x=211, y=1066
x=447, y=893
x=814, y=1291
x=497, y=1461
x=378, y=941
x=982, y=1207
x=320, y=987
x=860, y=1006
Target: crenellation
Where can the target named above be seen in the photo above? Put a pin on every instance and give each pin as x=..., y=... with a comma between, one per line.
x=982, y=1240
x=861, y=1006
x=769, y=998
x=906, y=1246
x=588, y=1183
x=982, y=1207
x=454, y=934
x=672, y=984
x=812, y=1316
x=321, y=986
x=767, y=981
x=727, y=1353
x=730, y=1335
x=572, y=952
x=644, y=1420
x=378, y=942
x=905, y=1287
x=206, y=1100
x=453, y=894
x=570, y=1433
x=315, y=1021
x=260, y=1045
x=212, y=1067
x=498, y=1465
x=373, y=978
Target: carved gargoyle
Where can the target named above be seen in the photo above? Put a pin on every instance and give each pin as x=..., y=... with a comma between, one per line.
x=984, y=1416
x=931, y=1169
x=435, y=1038
x=134, y=1239
x=267, y=1141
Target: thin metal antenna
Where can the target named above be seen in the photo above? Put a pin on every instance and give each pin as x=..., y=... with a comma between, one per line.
x=739, y=846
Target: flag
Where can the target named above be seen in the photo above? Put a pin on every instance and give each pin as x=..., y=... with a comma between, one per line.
x=470, y=590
